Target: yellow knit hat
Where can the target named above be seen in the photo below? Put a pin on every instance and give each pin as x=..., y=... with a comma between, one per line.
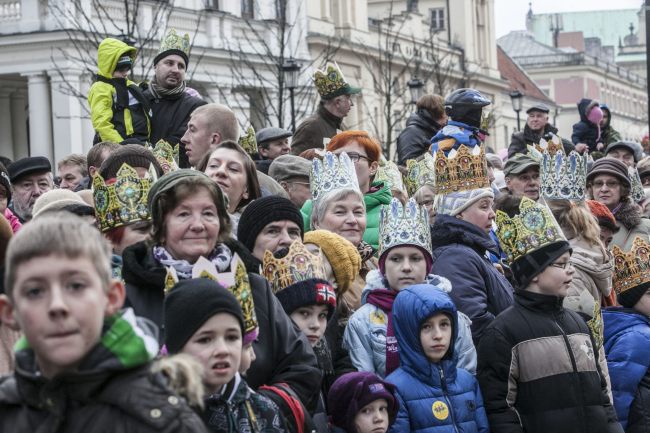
x=342, y=255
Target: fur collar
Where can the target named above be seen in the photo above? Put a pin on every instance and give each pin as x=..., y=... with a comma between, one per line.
x=629, y=214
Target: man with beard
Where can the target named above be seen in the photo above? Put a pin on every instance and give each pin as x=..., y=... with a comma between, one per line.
x=170, y=102
x=31, y=177
x=537, y=127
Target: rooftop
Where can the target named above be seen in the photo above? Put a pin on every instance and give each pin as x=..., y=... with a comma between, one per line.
x=518, y=79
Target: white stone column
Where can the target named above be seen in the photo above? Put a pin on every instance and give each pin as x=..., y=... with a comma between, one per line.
x=40, y=121
x=19, y=124
x=66, y=114
x=6, y=136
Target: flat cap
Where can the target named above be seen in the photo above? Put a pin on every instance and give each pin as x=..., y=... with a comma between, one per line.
x=288, y=166
x=539, y=107
x=634, y=148
x=270, y=134
x=28, y=165
x=519, y=163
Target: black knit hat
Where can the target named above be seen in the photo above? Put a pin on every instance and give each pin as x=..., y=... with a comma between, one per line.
x=612, y=167
x=263, y=211
x=528, y=266
x=134, y=155
x=5, y=181
x=190, y=304
x=304, y=293
x=630, y=297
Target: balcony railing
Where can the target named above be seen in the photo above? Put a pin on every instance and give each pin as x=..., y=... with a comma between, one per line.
x=10, y=10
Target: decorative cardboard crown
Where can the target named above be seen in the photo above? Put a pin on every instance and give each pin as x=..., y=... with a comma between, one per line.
x=390, y=174
x=631, y=268
x=248, y=142
x=298, y=265
x=636, y=192
x=533, y=228
x=420, y=172
x=166, y=155
x=404, y=225
x=173, y=41
x=332, y=173
x=563, y=177
x=235, y=279
x=461, y=170
x=330, y=82
x=552, y=147
x=121, y=202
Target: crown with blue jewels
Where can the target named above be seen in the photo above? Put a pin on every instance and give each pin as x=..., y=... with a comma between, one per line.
x=462, y=169
x=166, y=155
x=121, y=202
x=563, y=177
x=404, y=225
x=637, y=193
x=248, y=142
x=534, y=228
x=333, y=172
x=420, y=172
x=389, y=174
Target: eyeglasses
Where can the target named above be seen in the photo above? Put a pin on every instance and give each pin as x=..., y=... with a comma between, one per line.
x=610, y=184
x=355, y=157
x=561, y=265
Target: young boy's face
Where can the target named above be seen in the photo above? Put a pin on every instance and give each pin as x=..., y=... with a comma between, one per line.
x=247, y=358
x=312, y=321
x=60, y=304
x=643, y=304
x=556, y=278
x=121, y=73
x=217, y=345
x=405, y=266
x=435, y=336
x=372, y=418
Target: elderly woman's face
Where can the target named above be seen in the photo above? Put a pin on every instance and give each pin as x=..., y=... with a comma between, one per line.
x=192, y=227
x=346, y=218
x=606, y=189
x=227, y=169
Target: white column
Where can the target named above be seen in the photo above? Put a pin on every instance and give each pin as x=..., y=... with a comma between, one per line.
x=40, y=121
x=19, y=124
x=6, y=138
x=66, y=114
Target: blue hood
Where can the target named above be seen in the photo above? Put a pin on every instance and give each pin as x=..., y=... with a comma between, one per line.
x=412, y=306
x=617, y=320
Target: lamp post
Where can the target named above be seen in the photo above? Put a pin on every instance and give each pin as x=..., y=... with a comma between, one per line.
x=516, y=97
x=291, y=70
x=416, y=87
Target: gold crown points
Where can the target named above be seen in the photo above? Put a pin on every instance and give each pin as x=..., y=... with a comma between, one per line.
x=404, y=225
x=419, y=173
x=333, y=172
x=631, y=268
x=174, y=41
x=298, y=265
x=329, y=81
x=462, y=170
x=552, y=146
x=563, y=177
x=389, y=173
x=123, y=201
x=166, y=155
x=532, y=229
x=248, y=142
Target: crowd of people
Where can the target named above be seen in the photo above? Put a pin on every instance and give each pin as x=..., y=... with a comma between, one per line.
x=185, y=276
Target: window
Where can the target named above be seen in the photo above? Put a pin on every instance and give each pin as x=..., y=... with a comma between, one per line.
x=212, y=5
x=412, y=5
x=248, y=9
x=437, y=19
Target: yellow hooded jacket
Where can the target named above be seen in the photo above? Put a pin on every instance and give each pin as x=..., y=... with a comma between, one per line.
x=112, y=122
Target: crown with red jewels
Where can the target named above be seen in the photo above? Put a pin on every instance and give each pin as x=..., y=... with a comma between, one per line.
x=298, y=265
x=462, y=169
x=631, y=268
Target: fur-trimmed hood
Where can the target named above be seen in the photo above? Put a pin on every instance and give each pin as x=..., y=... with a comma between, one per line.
x=629, y=214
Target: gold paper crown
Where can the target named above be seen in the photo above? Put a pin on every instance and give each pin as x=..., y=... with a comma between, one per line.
x=404, y=225
x=563, y=177
x=235, y=280
x=632, y=268
x=333, y=172
x=123, y=201
x=462, y=170
x=173, y=41
x=331, y=83
x=420, y=172
x=166, y=155
x=298, y=265
x=551, y=147
x=389, y=174
x=533, y=228
x=248, y=142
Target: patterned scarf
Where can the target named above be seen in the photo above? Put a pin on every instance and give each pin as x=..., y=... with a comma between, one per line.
x=220, y=257
x=366, y=251
x=160, y=92
x=383, y=299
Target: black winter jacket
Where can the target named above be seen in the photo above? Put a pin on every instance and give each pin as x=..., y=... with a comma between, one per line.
x=585, y=131
x=520, y=140
x=170, y=117
x=311, y=131
x=283, y=354
x=539, y=372
x=415, y=139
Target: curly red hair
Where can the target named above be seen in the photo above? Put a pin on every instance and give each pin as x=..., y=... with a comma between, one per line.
x=369, y=144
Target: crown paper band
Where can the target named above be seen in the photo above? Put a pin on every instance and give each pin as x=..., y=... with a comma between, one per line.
x=248, y=142
x=420, y=172
x=332, y=173
x=533, y=228
x=563, y=177
x=298, y=265
x=636, y=192
x=462, y=170
x=166, y=155
x=404, y=225
x=331, y=82
x=123, y=201
x=390, y=174
x=632, y=268
x=174, y=41
x=552, y=146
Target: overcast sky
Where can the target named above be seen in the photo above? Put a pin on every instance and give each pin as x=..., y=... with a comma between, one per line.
x=511, y=14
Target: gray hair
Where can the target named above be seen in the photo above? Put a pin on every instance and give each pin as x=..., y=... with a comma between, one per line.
x=320, y=207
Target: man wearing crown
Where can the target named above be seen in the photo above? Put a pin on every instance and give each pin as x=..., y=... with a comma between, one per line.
x=335, y=103
x=170, y=103
x=537, y=364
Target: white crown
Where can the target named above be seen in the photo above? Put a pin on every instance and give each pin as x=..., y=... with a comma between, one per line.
x=404, y=225
x=331, y=174
x=563, y=177
x=636, y=192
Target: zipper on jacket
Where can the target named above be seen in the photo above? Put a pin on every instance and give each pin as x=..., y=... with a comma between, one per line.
x=445, y=394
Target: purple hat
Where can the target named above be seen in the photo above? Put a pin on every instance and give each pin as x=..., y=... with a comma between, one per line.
x=352, y=391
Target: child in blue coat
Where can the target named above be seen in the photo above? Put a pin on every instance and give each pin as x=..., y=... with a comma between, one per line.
x=433, y=394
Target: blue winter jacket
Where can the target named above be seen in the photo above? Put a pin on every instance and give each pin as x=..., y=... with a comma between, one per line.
x=433, y=397
x=627, y=346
